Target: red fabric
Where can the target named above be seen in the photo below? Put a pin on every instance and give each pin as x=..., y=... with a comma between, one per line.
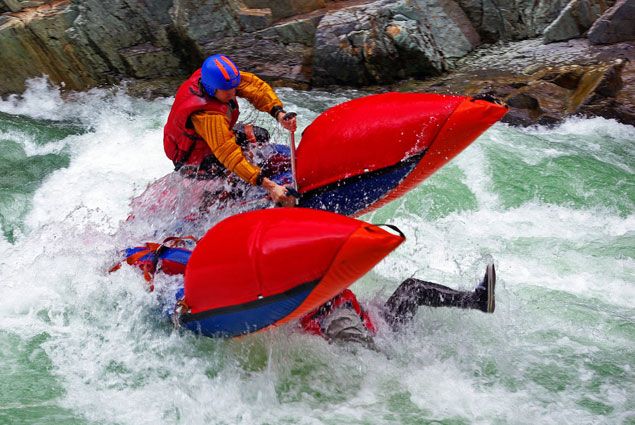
x=179, y=134
x=268, y=252
x=263, y=253
x=368, y=134
x=468, y=121
x=312, y=322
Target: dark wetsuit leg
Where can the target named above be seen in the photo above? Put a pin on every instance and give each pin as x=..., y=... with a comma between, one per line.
x=412, y=293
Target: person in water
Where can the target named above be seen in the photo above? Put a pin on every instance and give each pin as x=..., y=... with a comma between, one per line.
x=202, y=136
x=343, y=318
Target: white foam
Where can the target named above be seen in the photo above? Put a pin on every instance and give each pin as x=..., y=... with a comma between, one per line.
x=119, y=361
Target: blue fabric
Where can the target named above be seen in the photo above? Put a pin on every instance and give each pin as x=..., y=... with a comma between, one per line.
x=350, y=196
x=131, y=251
x=246, y=319
x=178, y=255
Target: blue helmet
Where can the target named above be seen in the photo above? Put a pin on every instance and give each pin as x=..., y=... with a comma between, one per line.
x=219, y=72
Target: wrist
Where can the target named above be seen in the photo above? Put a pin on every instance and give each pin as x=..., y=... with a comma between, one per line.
x=275, y=111
x=267, y=184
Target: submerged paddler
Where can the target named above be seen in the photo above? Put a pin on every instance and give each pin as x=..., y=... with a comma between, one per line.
x=202, y=136
x=343, y=319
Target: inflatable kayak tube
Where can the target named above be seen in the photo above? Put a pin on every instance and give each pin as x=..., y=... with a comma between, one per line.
x=264, y=268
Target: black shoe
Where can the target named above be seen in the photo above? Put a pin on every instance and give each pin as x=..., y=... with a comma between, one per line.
x=485, y=290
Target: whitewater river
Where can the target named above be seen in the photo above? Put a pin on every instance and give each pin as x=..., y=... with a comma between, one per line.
x=553, y=208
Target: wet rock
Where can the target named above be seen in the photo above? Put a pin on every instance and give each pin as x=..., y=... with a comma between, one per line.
x=34, y=42
x=567, y=77
x=300, y=30
x=18, y=5
x=511, y=19
x=269, y=58
x=617, y=24
x=254, y=19
x=378, y=42
x=281, y=9
x=523, y=101
x=201, y=21
x=453, y=32
x=598, y=88
x=141, y=61
x=587, y=81
x=575, y=19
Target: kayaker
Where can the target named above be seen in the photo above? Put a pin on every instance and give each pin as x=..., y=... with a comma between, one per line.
x=344, y=319
x=202, y=136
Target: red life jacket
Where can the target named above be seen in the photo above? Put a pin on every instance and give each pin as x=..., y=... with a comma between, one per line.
x=312, y=322
x=181, y=143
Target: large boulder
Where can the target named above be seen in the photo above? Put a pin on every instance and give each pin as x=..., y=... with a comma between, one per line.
x=85, y=43
x=575, y=19
x=511, y=19
x=17, y=5
x=375, y=43
x=617, y=24
x=35, y=42
x=452, y=30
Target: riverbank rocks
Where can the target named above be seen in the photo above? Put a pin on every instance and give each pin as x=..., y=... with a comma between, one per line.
x=616, y=25
x=511, y=19
x=153, y=46
x=380, y=41
x=384, y=41
x=549, y=83
x=576, y=18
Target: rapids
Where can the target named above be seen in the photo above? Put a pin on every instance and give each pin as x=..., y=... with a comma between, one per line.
x=553, y=208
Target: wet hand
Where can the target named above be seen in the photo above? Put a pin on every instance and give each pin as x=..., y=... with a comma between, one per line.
x=278, y=194
x=287, y=120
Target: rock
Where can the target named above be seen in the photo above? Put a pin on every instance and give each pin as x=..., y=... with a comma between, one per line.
x=453, y=32
x=18, y=5
x=141, y=61
x=523, y=101
x=511, y=19
x=269, y=58
x=575, y=19
x=294, y=31
x=254, y=19
x=591, y=81
x=35, y=42
x=596, y=85
x=201, y=21
x=617, y=24
x=567, y=77
x=375, y=43
x=285, y=8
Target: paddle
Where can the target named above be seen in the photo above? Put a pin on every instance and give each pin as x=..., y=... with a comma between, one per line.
x=293, y=191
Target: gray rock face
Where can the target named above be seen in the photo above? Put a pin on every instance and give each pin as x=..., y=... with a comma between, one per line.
x=378, y=42
x=452, y=30
x=36, y=43
x=575, y=19
x=281, y=9
x=617, y=24
x=84, y=43
x=17, y=5
x=511, y=19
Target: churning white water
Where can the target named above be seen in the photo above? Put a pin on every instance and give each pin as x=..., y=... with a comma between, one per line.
x=553, y=208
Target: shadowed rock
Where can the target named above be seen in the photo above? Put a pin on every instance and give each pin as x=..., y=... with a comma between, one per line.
x=575, y=19
x=617, y=24
x=378, y=42
x=511, y=19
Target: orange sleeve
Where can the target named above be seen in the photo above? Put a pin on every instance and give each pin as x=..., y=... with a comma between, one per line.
x=214, y=128
x=257, y=92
